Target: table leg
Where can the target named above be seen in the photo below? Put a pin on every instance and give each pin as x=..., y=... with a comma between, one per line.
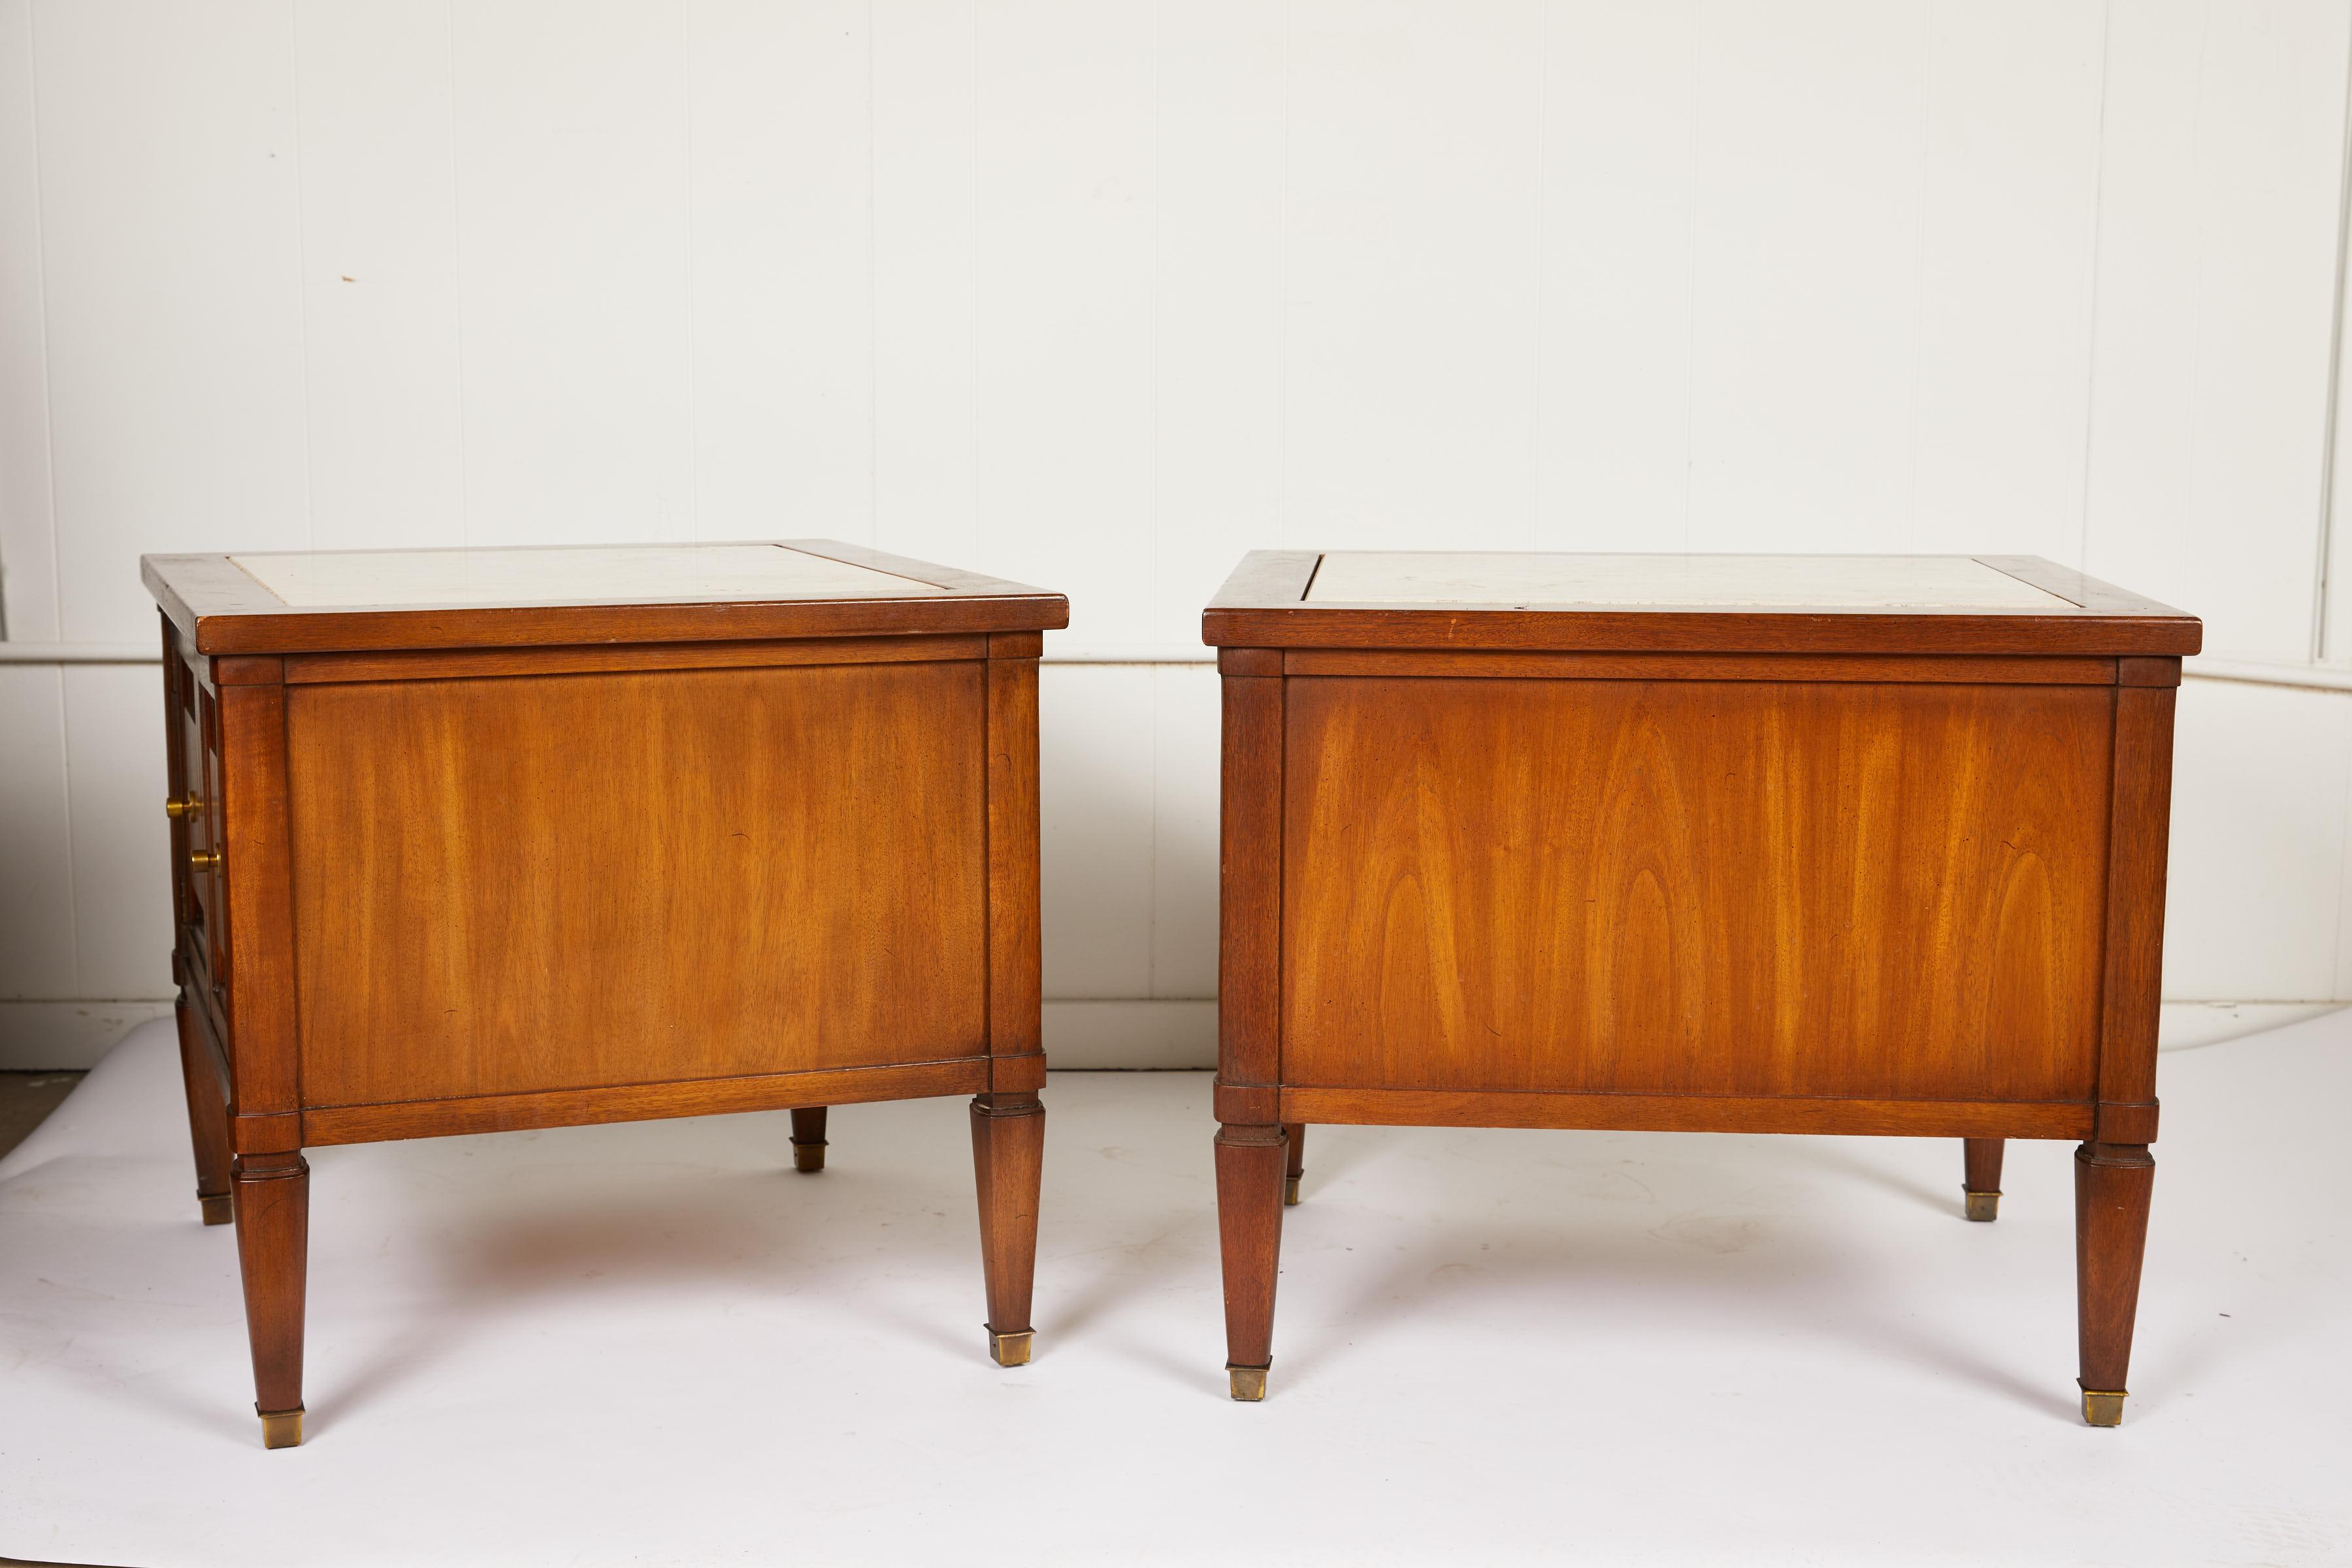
x=273, y=1245
x=207, y=1119
x=1296, y=1134
x=1250, y=1181
x=2112, y=1183
x=1008, y=1155
x=808, y=1139
x=1982, y=1186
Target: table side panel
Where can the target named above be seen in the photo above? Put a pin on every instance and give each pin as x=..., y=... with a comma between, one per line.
x=1733, y=888
x=528, y=884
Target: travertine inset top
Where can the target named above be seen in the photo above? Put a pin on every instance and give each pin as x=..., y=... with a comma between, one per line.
x=617, y=573
x=1532, y=580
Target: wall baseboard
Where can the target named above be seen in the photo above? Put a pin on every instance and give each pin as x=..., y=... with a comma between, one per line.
x=39, y=1036
x=1155, y=1033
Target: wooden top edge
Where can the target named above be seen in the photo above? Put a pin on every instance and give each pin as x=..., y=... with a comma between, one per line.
x=221, y=609
x=1264, y=605
x=1680, y=630
x=493, y=626
x=215, y=585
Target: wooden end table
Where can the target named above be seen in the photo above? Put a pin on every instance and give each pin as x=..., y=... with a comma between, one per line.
x=1761, y=844
x=466, y=841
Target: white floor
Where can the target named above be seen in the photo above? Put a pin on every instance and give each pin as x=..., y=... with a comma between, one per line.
x=654, y=1344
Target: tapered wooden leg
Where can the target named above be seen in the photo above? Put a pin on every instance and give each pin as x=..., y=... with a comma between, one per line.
x=1250, y=1180
x=273, y=1246
x=808, y=1139
x=2112, y=1183
x=1295, y=1133
x=1982, y=1188
x=207, y=1119
x=1008, y=1157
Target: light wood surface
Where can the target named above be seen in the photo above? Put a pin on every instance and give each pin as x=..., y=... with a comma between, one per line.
x=1876, y=891
x=513, y=885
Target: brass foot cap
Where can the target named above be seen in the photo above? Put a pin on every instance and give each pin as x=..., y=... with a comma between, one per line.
x=280, y=1428
x=1248, y=1382
x=1289, y=1189
x=216, y=1208
x=808, y=1157
x=2103, y=1409
x=1010, y=1350
x=1984, y=1205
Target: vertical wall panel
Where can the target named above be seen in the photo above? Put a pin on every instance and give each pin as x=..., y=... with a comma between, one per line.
x=926, y=317
x=379, y=274
x=1805, y=330
x=2216, y=295
x=28, y=567
x=2139, y=501
x=1215, y=302
x=571, y=232
x=2259, y=792
x=1104, y=294
x=36, y=909
x=1187, y=731
x=1095, y=784
x=122, y=840
x=1615, y=211
x=783, y=284
x=174, y=317
x=1064, y=269
x=2009, y=204
x=1412, y=263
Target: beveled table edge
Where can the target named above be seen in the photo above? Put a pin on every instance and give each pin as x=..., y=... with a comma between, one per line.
x=221, y=609
x=1263, y=604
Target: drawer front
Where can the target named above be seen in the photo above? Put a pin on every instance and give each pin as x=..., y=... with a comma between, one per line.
x=1698, y=888
x=548, y=882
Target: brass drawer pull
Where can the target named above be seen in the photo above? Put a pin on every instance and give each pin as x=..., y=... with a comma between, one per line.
x=204, y=859
x=176, y=809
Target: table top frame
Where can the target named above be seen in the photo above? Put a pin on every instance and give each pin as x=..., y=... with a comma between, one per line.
x=1264, y=605
x=221, y=609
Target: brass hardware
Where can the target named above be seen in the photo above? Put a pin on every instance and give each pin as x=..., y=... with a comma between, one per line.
x=2103, y=1409
x=1247, y=1383
x=204, y=859
x=1289, y=1190
x=280, y=1428
x=1983, y=1205
x=189, y=806
x=1010, y=1350
x=808, y=1158
x=216, y=1208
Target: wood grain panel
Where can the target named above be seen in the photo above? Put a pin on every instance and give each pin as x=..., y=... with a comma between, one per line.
x=448, y=664
x=528, y=884
x=640, y=1102
x=253, y=885
x=1015, y=955
x=1737, y=888
x=1249, y=945
x=1688, y=1112
x=1955, y=668
x=2135, y=950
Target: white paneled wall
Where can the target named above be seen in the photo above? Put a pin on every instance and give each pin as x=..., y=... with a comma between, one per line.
x=1100, y=293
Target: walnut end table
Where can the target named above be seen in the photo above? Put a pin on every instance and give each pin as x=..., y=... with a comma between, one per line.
x=1760, y=844
x=466, y=841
